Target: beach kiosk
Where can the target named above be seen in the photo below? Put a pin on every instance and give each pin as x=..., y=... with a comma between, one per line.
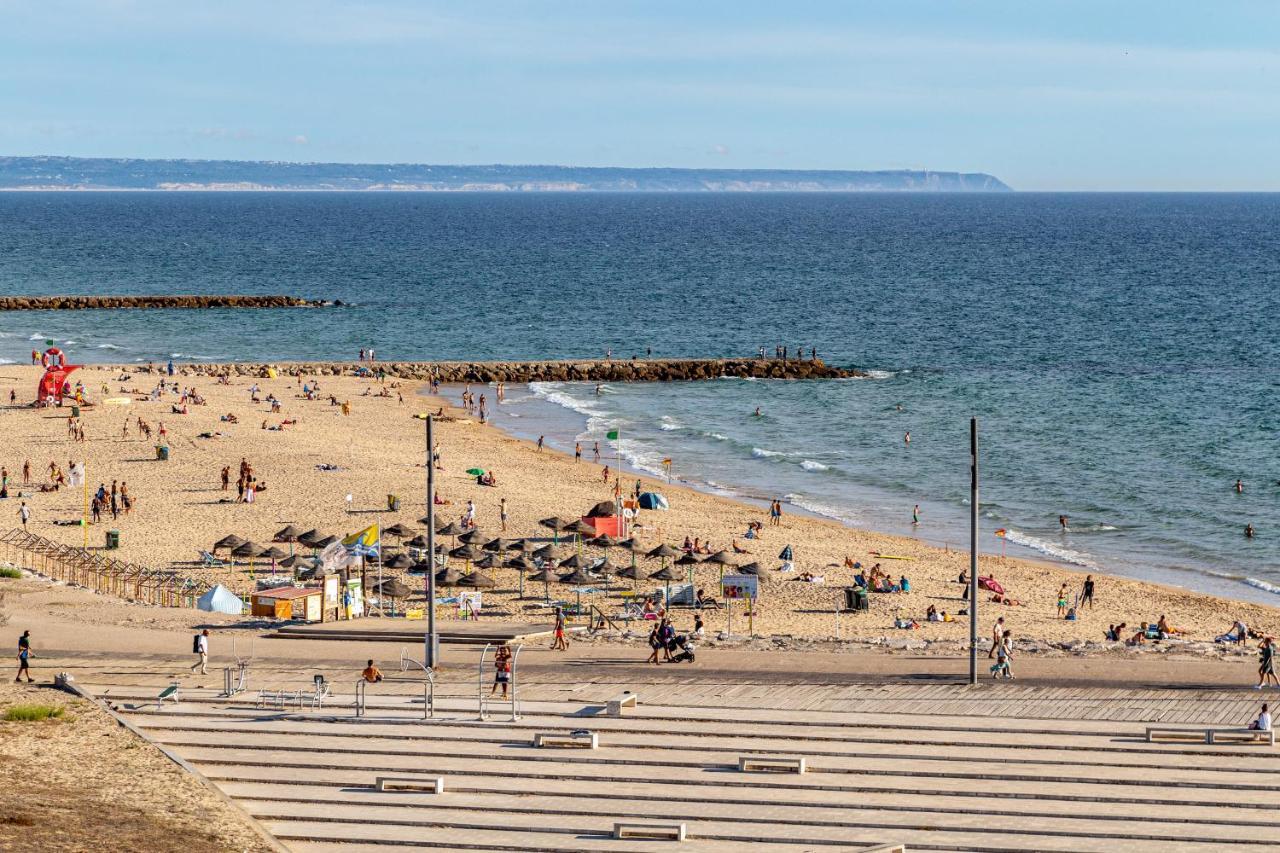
x=288, y=602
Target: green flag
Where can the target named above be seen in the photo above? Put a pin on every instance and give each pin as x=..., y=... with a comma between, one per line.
x=612, y=435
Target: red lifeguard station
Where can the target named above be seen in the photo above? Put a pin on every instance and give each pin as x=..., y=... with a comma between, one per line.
x=56, y=370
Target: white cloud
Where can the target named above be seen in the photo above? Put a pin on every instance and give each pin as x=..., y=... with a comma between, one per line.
x=720, y=150
x=299, y=140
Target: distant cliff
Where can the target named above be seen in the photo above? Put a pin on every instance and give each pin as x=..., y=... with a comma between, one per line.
x=80, y=173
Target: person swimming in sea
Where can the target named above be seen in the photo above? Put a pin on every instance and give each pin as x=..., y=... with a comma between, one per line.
x=1248, y=531
x=1239, y=487
x=1062, y=522
x=757, y=412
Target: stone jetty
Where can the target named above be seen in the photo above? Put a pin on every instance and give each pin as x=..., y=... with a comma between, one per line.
x=84, y=303
x=601, y=370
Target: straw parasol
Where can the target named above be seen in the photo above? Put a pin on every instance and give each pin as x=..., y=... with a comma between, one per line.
x=573, y=562
x=578, y=578
x=748, y=569
x=498, y=544
x=398, y=531
x=604, y=540
x=546, y=552
x=451, y=529
x=447, y=577
x=393, y=588
x=231, y=541
x=522, y=545
x=723, y=558
x=399, y=561
x=272, y=553
x=418, y=541
x=555, y=523
x=321, y=544
x=629, y=573
x=667, y=576
x=247, y=549
x=488, y=561
x=466, y=552
x=582, y=527
x=294, y=561
x=287, y=534
x=689, y=560
x=309, y=538
x=477, y=580
x=545, y=575
x=473, y=536
x=664, y=550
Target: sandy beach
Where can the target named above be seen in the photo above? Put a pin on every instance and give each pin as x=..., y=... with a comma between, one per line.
x=180, y=507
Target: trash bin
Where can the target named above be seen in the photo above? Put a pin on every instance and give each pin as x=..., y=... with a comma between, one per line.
x=75, y=411
x=113, y=540
x=855, y=599
x=162, y=452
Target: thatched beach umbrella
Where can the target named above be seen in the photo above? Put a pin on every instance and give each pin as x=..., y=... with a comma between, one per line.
x=488, y=561
x=393, y=588
x=398, y=531
x=666, y=575
x=246, y=549
x=520, y=562
x=309, y=537
x=474, y=536
x=664, y=550
x=466, y=552
x=604, y=540
x=581, y=527
x=321, y=544
x=398, y=561
x=556, y=525
x=418, y=541
x=573, y=562
x=451, y=529
x=689, y=560
x=230, y=541
x=498, y=544
x=447, y=577
x=630, y=573
x=288, y=533
x=522, y=545
x=546, y=552
x=273, y=553
x=748, y=569
x=578, y=578
x=546, y=576
x=477, y=580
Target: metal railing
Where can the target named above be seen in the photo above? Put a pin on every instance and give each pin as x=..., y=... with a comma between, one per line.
x=360, y=698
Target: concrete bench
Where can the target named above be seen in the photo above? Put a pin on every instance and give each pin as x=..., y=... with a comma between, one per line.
x=614, y=706
x=1213, y=735
x=650, y=831
x=769, y=764
x=429, y=784
x=584, y=739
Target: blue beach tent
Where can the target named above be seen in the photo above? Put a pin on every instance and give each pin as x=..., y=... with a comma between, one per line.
x=653, y=500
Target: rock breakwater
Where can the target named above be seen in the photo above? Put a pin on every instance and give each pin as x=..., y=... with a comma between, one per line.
x=85, y=303
x=638, y=370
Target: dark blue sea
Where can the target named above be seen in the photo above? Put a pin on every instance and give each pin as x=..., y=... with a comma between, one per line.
x=1122, y=351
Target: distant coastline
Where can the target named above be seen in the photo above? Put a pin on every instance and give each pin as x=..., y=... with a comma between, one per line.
x=37, y=174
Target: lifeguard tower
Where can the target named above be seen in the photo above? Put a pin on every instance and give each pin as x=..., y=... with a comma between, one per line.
x=54, y=383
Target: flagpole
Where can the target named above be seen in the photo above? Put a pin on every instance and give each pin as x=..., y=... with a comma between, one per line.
x=84, y=518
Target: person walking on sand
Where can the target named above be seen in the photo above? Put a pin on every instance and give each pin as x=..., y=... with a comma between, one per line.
x=24, y=513
x=201, y=650
x=502, y=513
x=1266, y=664
x=558, y=642
x=226, y=477
x=655, y=645
x=577, y=452
x=541, y=441
x=997, y=632
x=1062, y=600
x=24, y=657
x=1086, y=595
x=605, y=473
x=26, y=472
x=595, y=452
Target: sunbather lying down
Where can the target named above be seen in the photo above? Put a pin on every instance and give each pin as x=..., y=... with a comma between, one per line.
x=326, y=467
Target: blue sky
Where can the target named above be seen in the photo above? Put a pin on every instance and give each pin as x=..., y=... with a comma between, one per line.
x=1043, y=94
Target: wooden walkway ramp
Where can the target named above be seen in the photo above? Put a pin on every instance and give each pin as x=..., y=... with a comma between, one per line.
x=934, y=767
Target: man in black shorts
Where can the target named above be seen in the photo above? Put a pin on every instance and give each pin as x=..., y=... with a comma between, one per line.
x=1087, y=594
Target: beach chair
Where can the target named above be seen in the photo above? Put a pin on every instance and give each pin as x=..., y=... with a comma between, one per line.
x=209, y=561
x=170, y=692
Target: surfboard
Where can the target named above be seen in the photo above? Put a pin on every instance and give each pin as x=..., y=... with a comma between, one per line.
x=889, y=556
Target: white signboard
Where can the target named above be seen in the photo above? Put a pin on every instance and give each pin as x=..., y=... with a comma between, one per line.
x=739, y=586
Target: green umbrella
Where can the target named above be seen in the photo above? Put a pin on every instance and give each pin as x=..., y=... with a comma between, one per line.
x=476, y=472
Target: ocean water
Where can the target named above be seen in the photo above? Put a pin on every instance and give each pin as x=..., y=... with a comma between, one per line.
x=1121, y=351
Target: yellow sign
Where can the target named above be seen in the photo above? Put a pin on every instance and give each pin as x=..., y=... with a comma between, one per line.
x=415, y=614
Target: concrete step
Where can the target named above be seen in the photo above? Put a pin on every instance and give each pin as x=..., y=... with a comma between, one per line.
x=280, y=801
x=441, y=732
x=523, y=758
x=227, y=766
x=573, y=794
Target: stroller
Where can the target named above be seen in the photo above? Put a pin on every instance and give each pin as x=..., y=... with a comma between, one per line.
x=685, y=653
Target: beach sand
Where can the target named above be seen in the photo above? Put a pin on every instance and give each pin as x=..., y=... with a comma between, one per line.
x=180, y=509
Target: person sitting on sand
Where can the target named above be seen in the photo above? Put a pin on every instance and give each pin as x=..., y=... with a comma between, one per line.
x=737, y=549
x=1167, y=629
x=230, y=418
x=932, y=614
x=1139, y=638
x=371, y=673
x=947, y=617
x=487, y=479
x=687, y=547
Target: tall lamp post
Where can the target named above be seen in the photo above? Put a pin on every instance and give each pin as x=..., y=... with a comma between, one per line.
x=973, y=550
x=433, y=641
